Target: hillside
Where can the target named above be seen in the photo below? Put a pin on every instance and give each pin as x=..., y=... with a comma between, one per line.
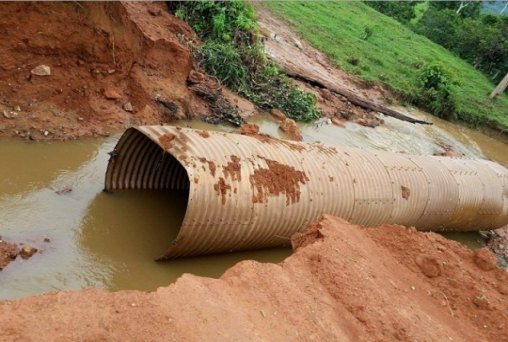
x=378, y=49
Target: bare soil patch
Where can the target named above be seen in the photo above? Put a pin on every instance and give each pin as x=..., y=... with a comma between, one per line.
x=111, y=65
x=343, y=283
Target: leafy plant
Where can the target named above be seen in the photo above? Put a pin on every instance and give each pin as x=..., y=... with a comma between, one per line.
x=435, y=91
x=223, y=61
x=232, y=52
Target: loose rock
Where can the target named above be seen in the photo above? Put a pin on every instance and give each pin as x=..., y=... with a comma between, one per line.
x=278, y=114
x=41, y=70
x=128, y=107
x=289, y=126
x=429, y=266
x=26, y=252
x=8, y=252
x=9, y=115
x=249, y=129
x=338, y=122
x=484, y=259
x=112, y=94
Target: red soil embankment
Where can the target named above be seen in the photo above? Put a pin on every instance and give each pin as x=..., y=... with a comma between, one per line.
x=111, y=65
x=342, y=283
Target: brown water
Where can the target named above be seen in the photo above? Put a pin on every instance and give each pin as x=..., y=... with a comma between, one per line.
x=110, y=240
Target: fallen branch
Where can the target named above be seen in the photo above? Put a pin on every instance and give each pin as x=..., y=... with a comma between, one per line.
x=358, y=101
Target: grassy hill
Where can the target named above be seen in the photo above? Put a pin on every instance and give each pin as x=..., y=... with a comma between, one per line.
x=377, y=48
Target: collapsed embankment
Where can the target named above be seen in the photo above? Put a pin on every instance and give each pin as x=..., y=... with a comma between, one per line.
x=343, y=282
x=82, y=69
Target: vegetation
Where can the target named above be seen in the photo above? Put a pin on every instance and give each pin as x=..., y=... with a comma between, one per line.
x=232, y=52
x=479, y=39
x=397, y=57
x=403, y=11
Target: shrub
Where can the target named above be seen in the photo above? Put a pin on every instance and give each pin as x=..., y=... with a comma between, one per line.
x=232, y=52
x=435, y=91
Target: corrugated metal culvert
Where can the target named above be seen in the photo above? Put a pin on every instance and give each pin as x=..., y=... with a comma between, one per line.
x=249, y=192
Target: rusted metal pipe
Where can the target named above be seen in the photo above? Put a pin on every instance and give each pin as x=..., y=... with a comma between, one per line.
x=248, y=192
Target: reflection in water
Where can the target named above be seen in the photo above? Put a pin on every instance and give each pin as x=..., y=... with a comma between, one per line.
x=96, y=239
x=31, y=216
x=31, y=166
x=124, y=232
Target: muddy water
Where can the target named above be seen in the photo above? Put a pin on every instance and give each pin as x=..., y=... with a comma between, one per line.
x=105, y=240
x=95, y=239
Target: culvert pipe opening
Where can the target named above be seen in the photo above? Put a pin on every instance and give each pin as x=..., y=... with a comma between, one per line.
x=251, y=192
x=138, y=163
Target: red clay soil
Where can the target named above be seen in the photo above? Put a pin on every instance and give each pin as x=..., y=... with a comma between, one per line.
x=8, y=252
x=249, y=129
x=112, y=65
x=275, y=180
x=342, y=283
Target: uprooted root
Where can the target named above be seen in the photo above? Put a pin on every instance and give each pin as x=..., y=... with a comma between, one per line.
x=210, y=90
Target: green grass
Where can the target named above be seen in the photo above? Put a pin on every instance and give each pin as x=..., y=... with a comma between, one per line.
x=393, y=55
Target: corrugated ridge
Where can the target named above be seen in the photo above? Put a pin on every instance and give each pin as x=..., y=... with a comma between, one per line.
x=362, y=186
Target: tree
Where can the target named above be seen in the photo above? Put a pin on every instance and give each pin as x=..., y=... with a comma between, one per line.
x=504, y=8
x=403, y=11
x=466, y=9
x=440, y=26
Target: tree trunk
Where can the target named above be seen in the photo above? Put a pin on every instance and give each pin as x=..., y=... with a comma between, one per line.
x=462, y=6
x=504, y=8
x=500, y=87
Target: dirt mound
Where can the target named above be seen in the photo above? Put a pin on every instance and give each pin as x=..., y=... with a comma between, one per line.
x=342, y=283
x=110, y=65
x=8, y=252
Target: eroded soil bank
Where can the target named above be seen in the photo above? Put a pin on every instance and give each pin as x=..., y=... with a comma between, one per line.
x=343, y=282
x=69, y=70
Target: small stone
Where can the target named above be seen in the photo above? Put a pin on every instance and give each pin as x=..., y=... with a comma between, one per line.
x=326, y=94
x=297, y=43
x=41, y=70
x=338, y=122
x=278, y=114
x=249, y=129
x=46, y=240
x=27, y=251
x=80, y=118
x=448, y=153
x=112, y=94
x=289, y=127
x=484, y=259
x=17, y=108
x=9, y=115
x=46, y=133
x=429, y=266
x=63, y=191
x=154, y=11
x=128, y=107
x=111, y=71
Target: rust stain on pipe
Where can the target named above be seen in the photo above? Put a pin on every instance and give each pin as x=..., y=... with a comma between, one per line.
x=255, y=192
